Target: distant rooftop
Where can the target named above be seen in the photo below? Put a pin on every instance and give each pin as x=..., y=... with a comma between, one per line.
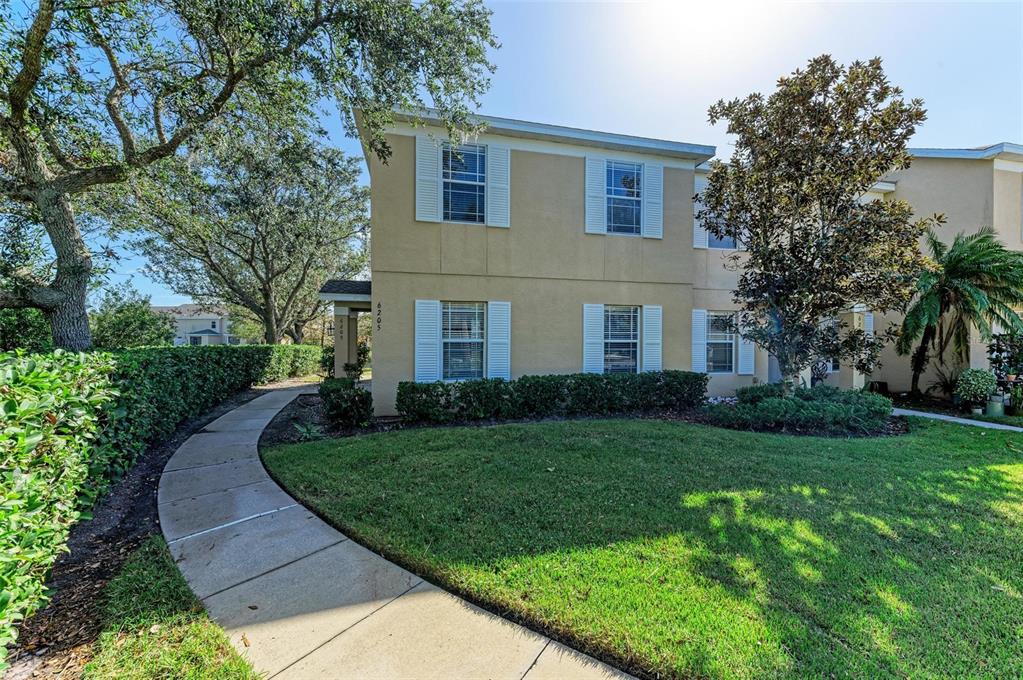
x=1003, y=150
x=192, y=310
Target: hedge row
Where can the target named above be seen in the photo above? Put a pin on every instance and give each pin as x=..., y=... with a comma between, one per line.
x=819, y=410
x=70, y=423
x=544, y=396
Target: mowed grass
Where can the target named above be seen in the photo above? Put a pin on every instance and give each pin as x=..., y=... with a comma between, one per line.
x=681, y=550
x=156, y=628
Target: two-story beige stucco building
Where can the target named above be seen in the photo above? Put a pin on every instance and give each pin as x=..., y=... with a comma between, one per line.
x=543, y=249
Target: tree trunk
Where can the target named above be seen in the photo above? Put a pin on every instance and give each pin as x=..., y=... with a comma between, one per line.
x=919, y=360
x=69, y=321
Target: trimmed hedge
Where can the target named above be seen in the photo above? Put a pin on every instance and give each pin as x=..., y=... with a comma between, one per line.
x=346, y=404
x=819, y=410
x=544, y=396
x=52, y=411
x=71, y=423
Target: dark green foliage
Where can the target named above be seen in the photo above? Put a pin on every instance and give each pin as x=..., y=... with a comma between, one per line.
x=124, y=318
x=822, y=409
x=754, y=394
x=542, y=396
x=1005, y=352
x=346, y=404
x=50, y=421
x=25, y=329
x=425, y=402
x=73, y=422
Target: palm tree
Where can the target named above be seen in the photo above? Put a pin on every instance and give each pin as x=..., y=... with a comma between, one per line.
x=975, y=281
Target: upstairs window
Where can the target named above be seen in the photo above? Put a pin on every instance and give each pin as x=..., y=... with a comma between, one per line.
x=720, y=342
x=621, y=339
x=213, y=325
x=462, y=336
x=465, y=183
x=624, y=202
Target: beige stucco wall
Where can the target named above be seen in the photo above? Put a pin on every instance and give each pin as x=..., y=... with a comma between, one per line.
x=544, y=264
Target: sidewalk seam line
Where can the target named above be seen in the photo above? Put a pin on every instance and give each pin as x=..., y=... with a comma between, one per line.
x=231, y=524
x=273, y=569
x=210, y=493
x=193, y=467
x=348, y=628
x=532, y=665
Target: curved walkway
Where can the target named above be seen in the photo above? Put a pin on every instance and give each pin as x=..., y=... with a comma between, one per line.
x=955, y=419
x=301, y=600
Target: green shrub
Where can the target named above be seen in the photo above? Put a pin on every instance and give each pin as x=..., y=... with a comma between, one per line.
x=425, y=402
x=754, y=394
x=539, y=396
x=346, y=404
x=589, y=394
x=71, y=423
x=483, y=399
x=820, y=410
x=975, y=385
x=51, y=416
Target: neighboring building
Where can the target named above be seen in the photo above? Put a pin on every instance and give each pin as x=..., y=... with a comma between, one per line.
x=198, y=325
x=543, y=249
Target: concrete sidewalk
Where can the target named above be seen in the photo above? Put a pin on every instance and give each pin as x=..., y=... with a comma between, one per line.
x=300, y=600
x=954, y=419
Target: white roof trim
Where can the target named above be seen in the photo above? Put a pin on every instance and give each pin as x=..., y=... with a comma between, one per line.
x=344, y=297
x=557, y=133
x=1009, y=150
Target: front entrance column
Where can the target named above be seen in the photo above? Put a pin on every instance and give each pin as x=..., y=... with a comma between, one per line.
x=848, y=377
x=341, y=333
x=353, y=336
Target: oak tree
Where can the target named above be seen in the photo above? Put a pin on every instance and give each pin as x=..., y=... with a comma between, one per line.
x=92, y=92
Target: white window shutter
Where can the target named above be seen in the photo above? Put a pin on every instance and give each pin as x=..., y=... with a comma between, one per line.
x=868, y=323
x=699, y=363
x=429, y=202
x=699, y=233
x=747, y=357
x=652, y=344
x=498, y=198
x=653, y=201
x=596, y=195
x=428, y=341
x=499, y=340
x=593, y=338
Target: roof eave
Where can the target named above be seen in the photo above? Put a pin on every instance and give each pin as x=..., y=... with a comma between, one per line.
x=509, y=127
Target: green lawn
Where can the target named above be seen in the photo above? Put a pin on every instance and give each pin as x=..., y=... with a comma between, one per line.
x=156, y=628
x=684, y=550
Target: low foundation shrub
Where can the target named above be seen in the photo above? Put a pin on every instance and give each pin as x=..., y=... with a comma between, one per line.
x=72, y=423
x=543, y=396
x=346, y=404
x=819, y=410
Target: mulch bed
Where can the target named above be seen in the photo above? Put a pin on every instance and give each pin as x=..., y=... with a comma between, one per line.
x=56, y=642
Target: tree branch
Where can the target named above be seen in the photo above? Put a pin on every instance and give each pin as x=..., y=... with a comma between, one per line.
x=31, y=62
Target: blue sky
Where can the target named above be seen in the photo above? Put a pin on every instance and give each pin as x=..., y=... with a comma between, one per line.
x=652, y=69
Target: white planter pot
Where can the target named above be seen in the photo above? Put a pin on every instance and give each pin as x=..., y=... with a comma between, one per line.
x=977, y=410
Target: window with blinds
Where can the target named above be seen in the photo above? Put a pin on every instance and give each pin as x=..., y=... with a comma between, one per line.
x=462, y=338
x=621, y=339
x=624, y=203
x=465, y=183
x=720, y=342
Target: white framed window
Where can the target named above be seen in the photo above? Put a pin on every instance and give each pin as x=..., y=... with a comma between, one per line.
x=720, y=342
x=463, y=338
x=623, y=186
x=464, y=175
x=721, y=243
x=621, y=339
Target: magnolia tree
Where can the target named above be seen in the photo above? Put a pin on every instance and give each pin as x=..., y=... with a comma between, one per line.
x=93, y=92
x=793, y=193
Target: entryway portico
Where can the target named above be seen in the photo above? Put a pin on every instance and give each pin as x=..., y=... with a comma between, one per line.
x=349, y=299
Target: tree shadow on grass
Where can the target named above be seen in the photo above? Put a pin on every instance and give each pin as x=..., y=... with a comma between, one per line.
x=683, y=550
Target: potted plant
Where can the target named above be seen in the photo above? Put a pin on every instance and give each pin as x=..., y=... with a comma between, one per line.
x=974, y=387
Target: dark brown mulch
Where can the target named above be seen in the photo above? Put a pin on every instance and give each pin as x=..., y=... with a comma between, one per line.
x=56, y=642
